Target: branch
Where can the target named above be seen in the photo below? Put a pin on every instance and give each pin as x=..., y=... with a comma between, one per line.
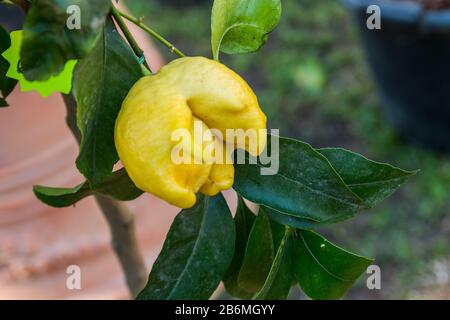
x=126, y=32
x=121, y=223
x=124, y=242
x=151, y=32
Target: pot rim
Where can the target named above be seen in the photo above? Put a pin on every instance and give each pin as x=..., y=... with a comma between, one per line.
x=406, y=13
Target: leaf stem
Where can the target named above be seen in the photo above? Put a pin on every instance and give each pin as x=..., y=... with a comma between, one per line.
x=153, y=33
x=127, y=33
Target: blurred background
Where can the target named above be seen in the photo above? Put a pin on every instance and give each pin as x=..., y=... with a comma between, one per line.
x=313, y=82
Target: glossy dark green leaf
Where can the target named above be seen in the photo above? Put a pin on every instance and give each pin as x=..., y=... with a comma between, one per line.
x=242, y=26
x=102, y=81
x=49, y=42
x=196, y=254
x=62, y=197
x=118, y=185
x=259, y=255
x=243, y=221
x=295, y=221
x=316, y=187
x=306, y=186
x=6, y=84
x=323, y=270
x=280, y=278
x=278, y=230
x=371, y=181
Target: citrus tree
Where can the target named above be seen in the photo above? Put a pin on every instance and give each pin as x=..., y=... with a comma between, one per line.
x=118, y=109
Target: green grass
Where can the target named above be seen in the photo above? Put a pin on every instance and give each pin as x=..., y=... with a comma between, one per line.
x=312, y=82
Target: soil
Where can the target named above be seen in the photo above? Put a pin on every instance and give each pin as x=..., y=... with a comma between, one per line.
x=433, y=4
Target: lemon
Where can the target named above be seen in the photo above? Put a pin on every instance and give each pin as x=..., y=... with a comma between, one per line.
x=184, y=91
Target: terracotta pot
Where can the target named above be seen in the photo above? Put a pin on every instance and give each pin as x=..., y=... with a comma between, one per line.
x=37, y=243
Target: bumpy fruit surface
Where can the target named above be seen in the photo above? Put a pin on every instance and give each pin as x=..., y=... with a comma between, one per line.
x=184, y=91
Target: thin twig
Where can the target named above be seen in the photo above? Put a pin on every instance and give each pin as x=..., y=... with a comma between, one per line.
x=153, y=33
x=124, y=242
x=127, y=33
x=121, y=223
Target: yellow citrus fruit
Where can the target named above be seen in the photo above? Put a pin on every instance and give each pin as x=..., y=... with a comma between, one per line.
x=183, y=92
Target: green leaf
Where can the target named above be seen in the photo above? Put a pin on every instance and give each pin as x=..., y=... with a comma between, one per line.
x=323, y=270
x=196, y=254
x=294, y=221
x=371, y=181
x=278, y=230
x=6, y=84
x=62, y=197
x=118, y=185
x=48, y=42
x=242, y=26
x=279, y=280
x=102, y=81
x=243, y=221
x=317, y=187
x=259, y=255
x=306, y=186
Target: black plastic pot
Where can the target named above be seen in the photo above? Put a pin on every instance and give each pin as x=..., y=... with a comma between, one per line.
x=410, y=60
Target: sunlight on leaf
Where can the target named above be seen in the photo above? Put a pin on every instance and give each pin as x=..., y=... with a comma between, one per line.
x=242, y=26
